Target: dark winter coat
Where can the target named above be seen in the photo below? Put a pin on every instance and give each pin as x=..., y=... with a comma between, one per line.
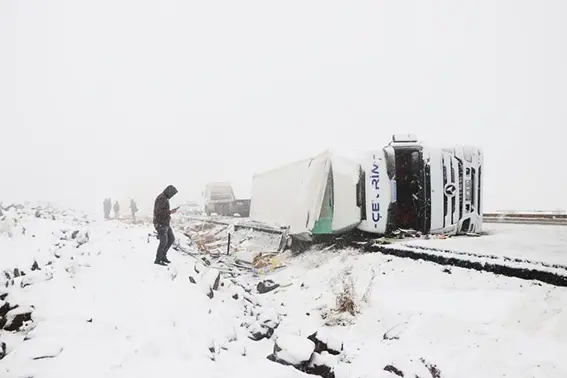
x=162, y=214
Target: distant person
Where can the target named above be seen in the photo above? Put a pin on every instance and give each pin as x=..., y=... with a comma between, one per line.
x=116, y=210
x=107, y=207
x=133, y=209
x=162, y=217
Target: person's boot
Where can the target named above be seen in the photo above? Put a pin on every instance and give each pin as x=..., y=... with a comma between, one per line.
x=160, y=262
x=165, y=260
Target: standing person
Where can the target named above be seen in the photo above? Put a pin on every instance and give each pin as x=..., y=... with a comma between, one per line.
x=116, y=210
x=133, y=209
x=162, y=217
x=107, y=207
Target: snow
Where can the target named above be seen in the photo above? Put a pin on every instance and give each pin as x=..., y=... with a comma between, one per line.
x=544, y=243
x=101, y=308
x=468, y=323
x=326, y=336
x=294, y=349
x=324, y=359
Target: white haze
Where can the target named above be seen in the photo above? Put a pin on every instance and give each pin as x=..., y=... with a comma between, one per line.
x=121, y=98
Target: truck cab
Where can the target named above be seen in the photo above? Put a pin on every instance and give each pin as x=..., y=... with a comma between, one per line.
x=431, y=190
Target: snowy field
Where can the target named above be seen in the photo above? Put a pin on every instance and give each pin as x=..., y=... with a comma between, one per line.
x=100, y=308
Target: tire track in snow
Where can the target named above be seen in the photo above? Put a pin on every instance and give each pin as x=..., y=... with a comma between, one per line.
x=528, y=270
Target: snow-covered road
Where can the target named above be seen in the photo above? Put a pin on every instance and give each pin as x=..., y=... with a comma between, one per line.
x=102, y=309
x=545, y=243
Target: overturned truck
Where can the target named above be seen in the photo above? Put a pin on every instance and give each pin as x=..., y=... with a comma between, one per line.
x=404, y=185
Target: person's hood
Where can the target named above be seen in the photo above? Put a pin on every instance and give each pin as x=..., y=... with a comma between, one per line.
x=170, y=191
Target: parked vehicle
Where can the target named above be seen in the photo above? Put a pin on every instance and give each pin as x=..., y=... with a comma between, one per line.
x=220, y=199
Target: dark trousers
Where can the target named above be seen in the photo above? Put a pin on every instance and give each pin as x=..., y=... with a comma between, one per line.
x=166, y=239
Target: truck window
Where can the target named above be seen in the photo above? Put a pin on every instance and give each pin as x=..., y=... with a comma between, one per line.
x=410, y=188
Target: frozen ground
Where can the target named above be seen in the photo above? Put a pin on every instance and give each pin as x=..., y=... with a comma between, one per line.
x=102, y=309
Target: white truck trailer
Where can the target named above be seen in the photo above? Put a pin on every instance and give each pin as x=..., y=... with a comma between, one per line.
x=313, y=196
x=405, y=185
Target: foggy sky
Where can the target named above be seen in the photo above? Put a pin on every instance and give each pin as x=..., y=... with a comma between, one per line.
x=121, y=98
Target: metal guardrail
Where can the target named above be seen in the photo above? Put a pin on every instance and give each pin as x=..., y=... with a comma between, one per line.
x=559, y=219
x=533, y=215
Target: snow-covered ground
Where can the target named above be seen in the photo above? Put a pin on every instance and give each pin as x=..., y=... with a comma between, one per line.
x=101, y=308
x=545, y=243
x=469, y=324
